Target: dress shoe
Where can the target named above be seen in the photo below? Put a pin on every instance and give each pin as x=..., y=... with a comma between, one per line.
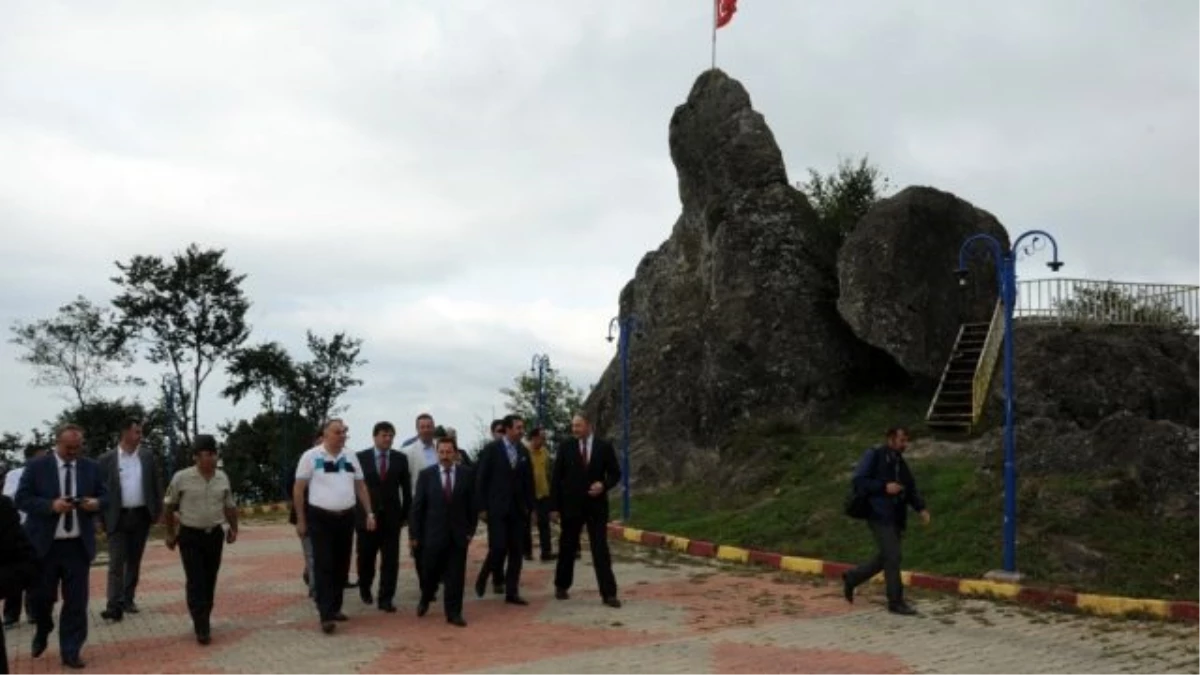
x=901, y=608
x=561, y=594
x=39, y=645
x=203, y=638
x=480, y=586
x=457, y=621
x=422, y=608
x=847, y=588
x=367, y=597
x=74, y=662
x=131, y=608
x=112, y=615
x=387, y=607
x=328, y=627
x=613, y=602
x=340, y=617
x=516, y=600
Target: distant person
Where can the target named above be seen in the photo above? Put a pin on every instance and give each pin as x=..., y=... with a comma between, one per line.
x=585, y=469
x=135, y=499
x=504, y=490
x=61, y=494
x=443, y=521
x=18, y=565
x=385, y=472
x=485, y=571
x=19, y=597
x=539, y=456
x=199, y=501
x=462, y=456
x=883, y=476
x=421, y=453
x=329, y=482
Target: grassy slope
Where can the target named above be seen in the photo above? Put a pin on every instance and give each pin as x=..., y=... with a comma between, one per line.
x=802, y=514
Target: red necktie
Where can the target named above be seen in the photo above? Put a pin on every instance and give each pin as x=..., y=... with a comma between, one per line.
x=383, y=466
x=447, y=489
x=583, y=450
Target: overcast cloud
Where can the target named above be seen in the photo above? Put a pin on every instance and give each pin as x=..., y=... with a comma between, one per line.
x=464, y=184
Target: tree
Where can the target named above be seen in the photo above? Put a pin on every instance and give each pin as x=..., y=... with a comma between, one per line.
x=101, y=421
x=260, y=454
x=1110, y=303
x=844, y=196
x=189, y=311
x=266, y=369
x=79, y=348
x=562, y=400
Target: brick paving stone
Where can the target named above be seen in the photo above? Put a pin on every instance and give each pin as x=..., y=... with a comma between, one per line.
x=680, y=615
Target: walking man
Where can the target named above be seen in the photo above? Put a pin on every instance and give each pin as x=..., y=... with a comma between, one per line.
x=199, y=501
x=19, y=596
x=444, y=518
x=585, y=469
x=60, y=495
x=385, y=472
x=883, y=476
x=327, y=482
x=421, y=452
x=305, y=541
x=504, y=490
x=18, y=567
x=539, y=457
x=135, y=494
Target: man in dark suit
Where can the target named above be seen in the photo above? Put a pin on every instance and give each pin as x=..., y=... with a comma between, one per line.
x=504, y=490
x=385, y=471
x=585, y=469
x=444, y=517
x=61, y=494
x=135, y=497
x=18, y=567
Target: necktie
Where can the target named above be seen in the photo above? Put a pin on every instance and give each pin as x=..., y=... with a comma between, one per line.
x=447, y=489
x=68, y=491
x=383, y=465
x=583, y=450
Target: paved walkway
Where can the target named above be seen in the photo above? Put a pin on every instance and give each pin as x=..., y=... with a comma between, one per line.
x=680, y=615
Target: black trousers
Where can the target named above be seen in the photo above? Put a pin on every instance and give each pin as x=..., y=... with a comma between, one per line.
x=568, y=548
x=886, y=560
x=384, y=544
x=13, y=604
x=126, y=544
x=332, y=540
x=447, y=565
x=540, y=517
x=66, y=565
x=504, y=550
x=200, y=551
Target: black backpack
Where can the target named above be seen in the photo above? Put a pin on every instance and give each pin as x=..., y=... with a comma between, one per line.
x=858, y=504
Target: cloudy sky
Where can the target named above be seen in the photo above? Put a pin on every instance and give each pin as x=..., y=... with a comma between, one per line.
x=464, y=184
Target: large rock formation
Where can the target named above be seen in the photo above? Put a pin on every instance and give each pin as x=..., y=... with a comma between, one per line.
x=896, y=271
x=738, y=306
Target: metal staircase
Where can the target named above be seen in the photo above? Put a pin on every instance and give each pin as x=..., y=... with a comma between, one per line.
x=959, y=400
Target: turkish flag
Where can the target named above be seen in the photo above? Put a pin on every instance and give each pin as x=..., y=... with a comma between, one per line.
x=725, y=11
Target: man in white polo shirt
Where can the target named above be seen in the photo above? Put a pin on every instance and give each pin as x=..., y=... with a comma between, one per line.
x=327, y=483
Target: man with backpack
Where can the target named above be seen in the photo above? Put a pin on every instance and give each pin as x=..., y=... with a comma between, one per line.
x=883, y=489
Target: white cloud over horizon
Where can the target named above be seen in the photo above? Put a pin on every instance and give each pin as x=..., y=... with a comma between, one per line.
x=466, y=184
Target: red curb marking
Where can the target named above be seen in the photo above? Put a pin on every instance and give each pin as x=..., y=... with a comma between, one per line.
x=835, y=570
x=616, y=531
x=1188, y=611
x=935, y=583
x=765, y=558
x=1047, y=597
x=705, y=549
x=654, y=539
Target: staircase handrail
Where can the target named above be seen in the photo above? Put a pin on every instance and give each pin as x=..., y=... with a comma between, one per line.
x=987, y=363
x=942, y=382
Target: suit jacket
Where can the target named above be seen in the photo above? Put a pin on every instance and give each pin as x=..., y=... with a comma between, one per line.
x=38, y=489
x=152, y=485
x=433, y=523
x=18, y=567
x=570, y=479
x=391, y=497
x=500, y=488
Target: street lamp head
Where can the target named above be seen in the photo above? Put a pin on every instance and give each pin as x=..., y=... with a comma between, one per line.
x=961, y=273
x=610, y=338
x=1054, y=265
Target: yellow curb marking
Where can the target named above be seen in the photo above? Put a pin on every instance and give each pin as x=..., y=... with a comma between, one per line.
x=994, y=589
x=733, y=554
x=1115, y=606
x=801, y=565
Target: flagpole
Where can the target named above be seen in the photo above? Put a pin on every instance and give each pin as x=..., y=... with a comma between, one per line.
x=715, y=4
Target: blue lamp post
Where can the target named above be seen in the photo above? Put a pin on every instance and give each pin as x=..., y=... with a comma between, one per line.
x=540, y=365
x=1006, y=280
x=624, y=327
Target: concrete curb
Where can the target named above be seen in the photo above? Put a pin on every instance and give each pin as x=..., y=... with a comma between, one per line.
x=254, y=509
x=1102, y=605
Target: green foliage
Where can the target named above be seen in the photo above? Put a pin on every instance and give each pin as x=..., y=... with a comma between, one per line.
x=561, y=401
x=79, y=348
x=101, y=421
x=189, y=311
x=844, y=196
x=260, y=455
x=1110, y=303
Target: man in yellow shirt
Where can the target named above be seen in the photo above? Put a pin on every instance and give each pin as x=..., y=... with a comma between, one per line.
x=540, y=455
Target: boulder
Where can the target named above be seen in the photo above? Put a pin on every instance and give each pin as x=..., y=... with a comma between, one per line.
x=896, y=273
x=737, y=307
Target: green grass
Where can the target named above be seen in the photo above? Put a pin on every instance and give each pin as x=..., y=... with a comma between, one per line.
x=801, y=513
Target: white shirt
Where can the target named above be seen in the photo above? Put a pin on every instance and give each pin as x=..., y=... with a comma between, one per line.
x=417, y=461
x=60, y=532
x=332, y=490
x=129, y=464
x=11, y=480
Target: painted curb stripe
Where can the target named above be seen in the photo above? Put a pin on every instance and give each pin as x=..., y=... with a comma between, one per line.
x=1103, y=605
